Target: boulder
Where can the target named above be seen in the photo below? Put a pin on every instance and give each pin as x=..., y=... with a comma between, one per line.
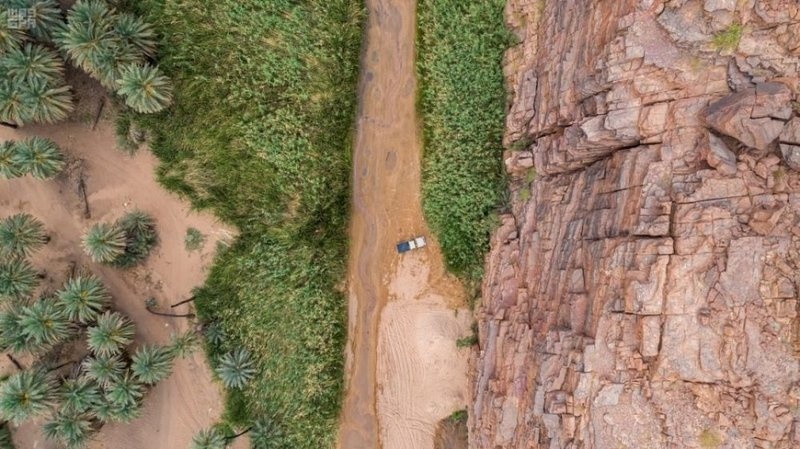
x=754, y=116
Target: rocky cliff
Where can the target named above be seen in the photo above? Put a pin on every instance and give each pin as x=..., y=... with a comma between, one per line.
x=643, y=293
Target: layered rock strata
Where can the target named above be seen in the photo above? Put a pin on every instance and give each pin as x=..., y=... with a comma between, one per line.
x=643, y=292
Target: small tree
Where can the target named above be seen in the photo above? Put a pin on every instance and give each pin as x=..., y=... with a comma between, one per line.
x=9, y=167
x=48, y=104
x=104, y=369
x=151, y=364
x=17, y=278
x=21, y=234
x=265, y=434
x=5, y=437
x=84, y=298
x=79, y=394
x=235, y=368
x=110, y=334
x=71, y=428
x=26, y=394
x=107, y=411
x=47, y=18
x=145, y=88
x=15, y=109
x=104, y=243
x=136, y=34
x=44, y=323
x=40, y=157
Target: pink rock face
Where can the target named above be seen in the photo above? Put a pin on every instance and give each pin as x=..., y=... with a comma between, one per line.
x=643, y=293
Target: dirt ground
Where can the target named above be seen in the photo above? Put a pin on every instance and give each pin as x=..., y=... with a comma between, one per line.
x=115, y=183
x=405, y=372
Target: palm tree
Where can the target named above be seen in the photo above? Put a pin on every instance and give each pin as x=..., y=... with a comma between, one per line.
x=45, y=324
x=17, y=278
x=184, y=344
x=135, y=32
x=214, y=333
x=9, y=168
x=151, y=364
x=265, y=434
x=11, y=336
x=210, y=438
x=79, y=394
x=26, y=394
x=47, y=18
x=20, y=235
x=235, y=368
x=110, y=334
x=88, y=33
x=103, y=369
x=104, y=243
x=107, y=65
x=10, y=37
x=107, y=411
x=5, y=437
x=145, y=88
x=48, y=104
x=33, y=62
x=40, y=157
x=84, y=298
x=15, y=108
x=140, y=231
x=71, y=428
x=127, y=391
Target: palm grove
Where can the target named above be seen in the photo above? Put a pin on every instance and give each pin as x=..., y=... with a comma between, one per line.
x=102, y=379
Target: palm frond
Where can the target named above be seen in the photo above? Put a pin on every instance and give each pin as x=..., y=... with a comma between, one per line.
x=18, y=278
x=69, y=427
x=184, y=344
x=47, y=104
x=11, y=37
x=210, y=438
x=151, y=364
x=125, y=392
x=9, y=168
x=134, y=31
x=33, y=62
x=235, y=368
x=104, y=243
x=79, y=394
x=45, y=324
x=26, y=394
x=103, y=369
x=14, y=106
x=145, y=88
x=21, y=235
x=40, y=157
x=83, y=298
x=111, y=333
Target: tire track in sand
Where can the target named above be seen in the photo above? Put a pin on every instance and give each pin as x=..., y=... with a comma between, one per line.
x=404, y=372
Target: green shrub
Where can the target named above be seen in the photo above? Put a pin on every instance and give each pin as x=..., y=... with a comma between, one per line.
x=194, y=240
x=462, y=103
x=728, y=39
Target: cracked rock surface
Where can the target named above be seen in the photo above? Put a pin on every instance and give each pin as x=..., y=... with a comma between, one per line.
x=643, y=291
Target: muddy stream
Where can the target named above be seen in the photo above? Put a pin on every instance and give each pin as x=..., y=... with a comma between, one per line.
x=405, y=372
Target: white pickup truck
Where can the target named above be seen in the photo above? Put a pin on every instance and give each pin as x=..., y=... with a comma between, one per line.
x=408, y=245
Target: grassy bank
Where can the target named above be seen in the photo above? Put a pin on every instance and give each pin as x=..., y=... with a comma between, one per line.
x=265, y=94
x=462, y=103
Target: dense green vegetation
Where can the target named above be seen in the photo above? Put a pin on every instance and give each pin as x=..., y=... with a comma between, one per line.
x=462, y=103
x=260, y=132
